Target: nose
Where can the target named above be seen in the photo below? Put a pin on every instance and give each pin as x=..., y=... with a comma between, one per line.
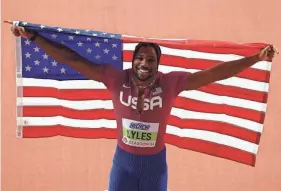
x=144, y=62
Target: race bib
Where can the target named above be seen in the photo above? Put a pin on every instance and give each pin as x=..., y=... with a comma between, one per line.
x=139, y=134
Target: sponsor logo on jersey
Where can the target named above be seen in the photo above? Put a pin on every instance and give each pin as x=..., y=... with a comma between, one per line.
x=139, y=126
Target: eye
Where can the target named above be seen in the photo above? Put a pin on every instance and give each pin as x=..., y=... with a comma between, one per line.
x=139, y=57
x=151, y=60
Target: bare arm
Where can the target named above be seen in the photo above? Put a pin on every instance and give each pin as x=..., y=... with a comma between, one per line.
x=226, y=70
x=63, y=54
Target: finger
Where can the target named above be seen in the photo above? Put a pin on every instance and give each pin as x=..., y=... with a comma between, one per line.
x=275, y=49
x=268, y=48
x=8, y=21
x=17, y=34
x=270, y=54
x=265, y=50
x=21, y=30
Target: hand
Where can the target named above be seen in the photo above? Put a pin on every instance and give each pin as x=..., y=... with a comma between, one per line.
x=268, y=53
x=20, y=31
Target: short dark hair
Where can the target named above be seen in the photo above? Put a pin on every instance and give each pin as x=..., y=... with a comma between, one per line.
x=149, y=44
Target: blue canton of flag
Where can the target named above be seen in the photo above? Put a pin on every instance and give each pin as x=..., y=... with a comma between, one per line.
x=98, y=47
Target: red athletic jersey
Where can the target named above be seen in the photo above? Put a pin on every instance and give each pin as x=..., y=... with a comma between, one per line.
x=142, y=133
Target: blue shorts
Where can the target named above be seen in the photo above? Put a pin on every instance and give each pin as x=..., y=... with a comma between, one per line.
x=131, y=172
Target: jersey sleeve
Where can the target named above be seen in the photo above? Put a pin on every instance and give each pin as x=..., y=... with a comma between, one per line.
x=109, y=76
x=176, y=81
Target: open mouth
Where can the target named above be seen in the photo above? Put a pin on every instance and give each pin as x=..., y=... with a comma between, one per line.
x=143, y=71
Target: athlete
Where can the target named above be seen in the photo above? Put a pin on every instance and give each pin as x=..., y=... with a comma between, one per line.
x=142, y=97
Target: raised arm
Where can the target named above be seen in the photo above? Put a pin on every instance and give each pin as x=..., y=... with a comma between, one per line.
x=62, y=54
x=227, y=69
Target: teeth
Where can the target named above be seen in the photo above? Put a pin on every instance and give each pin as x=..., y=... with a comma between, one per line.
x=143, y=70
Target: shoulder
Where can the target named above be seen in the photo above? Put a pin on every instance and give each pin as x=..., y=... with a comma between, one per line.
x=172, y=77
x=174, y=82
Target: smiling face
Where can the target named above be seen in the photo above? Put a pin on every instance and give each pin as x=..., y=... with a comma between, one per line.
x=145, y=63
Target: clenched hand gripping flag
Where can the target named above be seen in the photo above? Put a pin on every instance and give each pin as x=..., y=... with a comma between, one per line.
x=223, y=119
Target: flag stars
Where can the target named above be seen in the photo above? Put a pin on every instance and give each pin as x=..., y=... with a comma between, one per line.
x=36, y=49
x=97, y=44
x=114, y=45
x=42, y=26
x=77, y=32
x=60, y=29
x=45, y=56
x=89, y=50
x=54, y=36
x=105, y=40
x=94, y=34
x=114, y=57
x=89, y=39
x=54, y=63
x=62, y=70
x=46, y=70
x=71, y=37
x=79, y=44
x=28, y=68
x=27, y=55
x=97, y=57
x=106, y=51
x=27, y=42
x=36, y=62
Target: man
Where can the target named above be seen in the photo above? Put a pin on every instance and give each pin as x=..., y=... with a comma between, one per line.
x=142, y=97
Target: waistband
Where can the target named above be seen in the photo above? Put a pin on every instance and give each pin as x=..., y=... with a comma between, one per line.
x=155, y=163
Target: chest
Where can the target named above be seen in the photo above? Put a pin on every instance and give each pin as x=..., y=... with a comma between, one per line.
x=157, y=103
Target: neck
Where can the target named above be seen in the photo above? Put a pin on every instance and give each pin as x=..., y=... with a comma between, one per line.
x=143, y=84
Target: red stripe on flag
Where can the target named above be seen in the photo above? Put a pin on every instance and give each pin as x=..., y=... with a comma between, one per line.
x=212, y=149
x=68, y=94
x=50, y=131
x=51, y=111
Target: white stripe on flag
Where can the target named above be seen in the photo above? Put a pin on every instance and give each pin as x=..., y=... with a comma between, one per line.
x=66, y=84
x=170, y=39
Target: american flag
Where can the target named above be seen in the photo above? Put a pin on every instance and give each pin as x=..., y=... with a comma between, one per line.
x=223, y=119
